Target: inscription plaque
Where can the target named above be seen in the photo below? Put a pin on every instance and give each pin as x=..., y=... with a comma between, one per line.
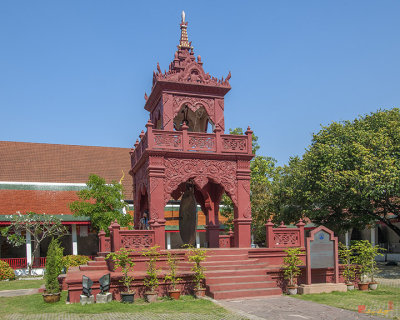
x=322, y=251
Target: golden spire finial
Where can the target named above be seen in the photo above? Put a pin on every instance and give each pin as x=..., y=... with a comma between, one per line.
x=184, y=41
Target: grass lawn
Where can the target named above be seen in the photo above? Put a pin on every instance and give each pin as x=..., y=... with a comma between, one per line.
x=373, y=300
x=33, y=304
x=20, y=284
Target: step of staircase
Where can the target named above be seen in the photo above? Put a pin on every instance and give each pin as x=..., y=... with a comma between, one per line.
x=92, y=268
x=242, y=272
x=97, y=263
x=230, y=274
x=99, y=259
x=241, y=285
x=244, y=293
x=236, y=279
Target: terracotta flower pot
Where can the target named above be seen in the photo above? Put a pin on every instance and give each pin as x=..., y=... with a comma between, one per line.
x=174, y=294
x=150, y=296
x=128, y=297
x=200, y=292
x=373, y=285
x=51, y=297
x=363, y=286
x=292, y=290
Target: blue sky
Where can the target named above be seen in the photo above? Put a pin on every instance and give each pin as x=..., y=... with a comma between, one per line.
x=75, y=72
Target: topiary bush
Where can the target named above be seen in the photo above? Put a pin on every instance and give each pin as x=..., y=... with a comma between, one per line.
x=74, y=261
x=6, y=272
x=53, y=267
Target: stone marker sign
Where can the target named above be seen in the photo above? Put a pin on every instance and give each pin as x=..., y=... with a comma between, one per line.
x=322, y=251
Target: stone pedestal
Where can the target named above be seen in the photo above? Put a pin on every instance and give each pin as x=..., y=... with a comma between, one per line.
x=86, y=300
x=321, y=287
x=104, y=298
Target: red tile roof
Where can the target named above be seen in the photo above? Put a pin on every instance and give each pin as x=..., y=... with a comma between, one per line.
x=40, y=162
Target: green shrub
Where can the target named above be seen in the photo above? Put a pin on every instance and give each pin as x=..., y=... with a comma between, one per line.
x=74, y=261
x=6, y=272
x=53, y=266
x=291, y=265
x=151, y=281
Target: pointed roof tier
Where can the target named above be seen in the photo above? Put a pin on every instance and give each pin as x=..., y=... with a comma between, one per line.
x=185, y=73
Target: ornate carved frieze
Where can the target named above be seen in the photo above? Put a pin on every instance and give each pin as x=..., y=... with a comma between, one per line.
x=168, y=140
x=286, y=238
x=137, y=241
x=194, y=104
x=234, y=144
x=178, y=171
x=202, y=142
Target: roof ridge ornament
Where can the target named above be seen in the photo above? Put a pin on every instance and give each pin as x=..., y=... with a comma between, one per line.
x=184, y=41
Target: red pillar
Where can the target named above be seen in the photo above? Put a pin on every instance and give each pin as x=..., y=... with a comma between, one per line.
x=269, y=234
x=102, y=241
x=156, y=201
x=242, y=221
x=114, y=236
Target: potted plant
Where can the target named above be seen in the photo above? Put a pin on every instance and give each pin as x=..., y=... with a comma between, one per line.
x=197, y=255
x=349, y=273
x=151, y=280
x=291, y=268
x=122, y=260
x=365, y=254
x=53, y=270
x=171, y=277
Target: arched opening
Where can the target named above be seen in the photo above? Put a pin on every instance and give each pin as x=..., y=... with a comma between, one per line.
x=142, y=217
x=198, y=220
x=196, y=119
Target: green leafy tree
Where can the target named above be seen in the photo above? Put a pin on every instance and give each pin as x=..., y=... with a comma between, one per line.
x=39, y=226
x=151, y=280
x=122, y=259
x=172, y=277
x=364, y=256
x=346, y=256
x=291, y=265
x=197, y=255
x=349, y=176
x=102, y=202
x=54, y=266
x=263, y=172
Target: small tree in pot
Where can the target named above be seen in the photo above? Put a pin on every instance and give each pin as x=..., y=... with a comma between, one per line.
x=197, y=255
x=346, y=255
x=151, y=281
x=171, y=277
x=365, y=254
x=53, y=270
x=291, y=268
x=123, y=260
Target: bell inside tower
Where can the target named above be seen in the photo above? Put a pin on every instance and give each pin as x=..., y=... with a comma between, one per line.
x=197, y=120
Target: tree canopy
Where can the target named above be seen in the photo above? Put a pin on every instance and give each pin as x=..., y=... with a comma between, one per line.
x=262, y=173
x=348, y=177
x=102, y=202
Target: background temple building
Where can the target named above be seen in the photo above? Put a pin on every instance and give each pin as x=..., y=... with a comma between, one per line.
x=44, y=178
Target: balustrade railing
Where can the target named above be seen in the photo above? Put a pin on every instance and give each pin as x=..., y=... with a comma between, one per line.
x=183, y=140
x=129, y=239
x=22, y=263
x=283, y=237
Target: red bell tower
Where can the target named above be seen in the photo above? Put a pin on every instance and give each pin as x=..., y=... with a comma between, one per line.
x=185, y=103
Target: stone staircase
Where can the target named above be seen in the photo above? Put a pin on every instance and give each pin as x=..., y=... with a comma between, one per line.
x=97, y=264
x=231, y=274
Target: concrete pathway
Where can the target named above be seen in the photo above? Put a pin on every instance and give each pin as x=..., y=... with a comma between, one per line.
x=19, y=292
x=286, y=308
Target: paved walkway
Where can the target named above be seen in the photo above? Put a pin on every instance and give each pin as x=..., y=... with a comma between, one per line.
x=19, y=292
x=286, y=308
x=121, y=316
